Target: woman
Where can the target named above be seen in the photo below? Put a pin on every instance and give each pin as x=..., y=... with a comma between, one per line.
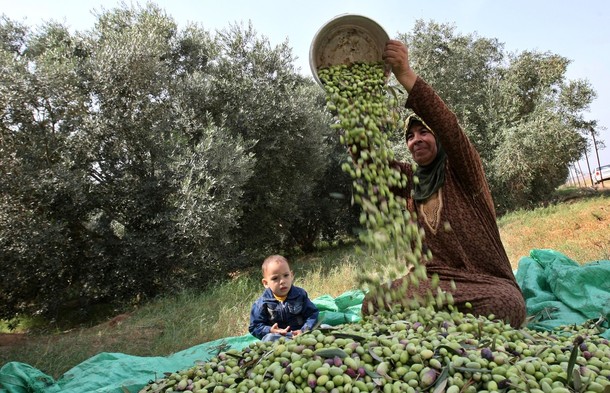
x=453, y=203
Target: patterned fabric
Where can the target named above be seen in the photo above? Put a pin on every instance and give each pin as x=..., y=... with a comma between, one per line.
x=465, y=244
x=430, y=210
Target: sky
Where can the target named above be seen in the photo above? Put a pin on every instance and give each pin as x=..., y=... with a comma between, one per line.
x=578, y=31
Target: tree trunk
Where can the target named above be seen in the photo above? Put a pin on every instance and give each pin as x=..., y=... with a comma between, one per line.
x=596, y=151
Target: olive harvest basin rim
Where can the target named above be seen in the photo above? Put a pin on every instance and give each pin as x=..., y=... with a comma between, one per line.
x=346, y=39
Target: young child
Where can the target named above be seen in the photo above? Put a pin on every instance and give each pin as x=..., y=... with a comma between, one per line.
x=283, y=309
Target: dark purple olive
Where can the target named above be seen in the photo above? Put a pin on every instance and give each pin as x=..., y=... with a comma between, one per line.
x=504, y=384
x=337, y=361
x=487, y=354
x=361, y=371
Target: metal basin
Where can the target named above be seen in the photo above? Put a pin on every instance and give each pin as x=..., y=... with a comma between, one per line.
x=346, y=39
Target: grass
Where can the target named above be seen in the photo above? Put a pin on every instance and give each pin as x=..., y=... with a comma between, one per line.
x=578, y=226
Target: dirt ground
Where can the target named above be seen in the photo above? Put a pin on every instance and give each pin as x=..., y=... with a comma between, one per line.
x=16, y=339
x=9, y=339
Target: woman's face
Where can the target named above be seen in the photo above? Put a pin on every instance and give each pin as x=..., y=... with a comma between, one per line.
x=422, y=144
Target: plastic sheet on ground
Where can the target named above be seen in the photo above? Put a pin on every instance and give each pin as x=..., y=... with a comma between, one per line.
x=557, y=291
x=122, y=373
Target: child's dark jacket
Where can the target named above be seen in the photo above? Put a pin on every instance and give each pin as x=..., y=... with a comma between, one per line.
x=297, y=311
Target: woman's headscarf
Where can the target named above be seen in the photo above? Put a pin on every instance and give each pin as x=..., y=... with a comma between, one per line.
x=432, y=176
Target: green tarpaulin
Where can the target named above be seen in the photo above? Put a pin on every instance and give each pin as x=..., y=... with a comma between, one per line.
x=121, y=373
x=558, y=291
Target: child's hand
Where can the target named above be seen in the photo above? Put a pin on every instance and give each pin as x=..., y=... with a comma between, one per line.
x=276, y=329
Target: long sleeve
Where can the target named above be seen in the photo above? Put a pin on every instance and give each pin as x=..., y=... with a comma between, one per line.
x=473, y=244
x=465, y=162
x=259, y=321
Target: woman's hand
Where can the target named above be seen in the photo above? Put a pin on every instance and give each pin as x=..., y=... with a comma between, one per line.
x=396, y=56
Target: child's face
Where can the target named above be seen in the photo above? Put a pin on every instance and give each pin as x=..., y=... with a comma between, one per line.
x=278, y=278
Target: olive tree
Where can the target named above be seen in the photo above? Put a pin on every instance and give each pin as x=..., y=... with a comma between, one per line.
x=281, y=116
x=536, y=130
x=45, y=205
x=106, y=194
x=576, y=98
x=138, y=158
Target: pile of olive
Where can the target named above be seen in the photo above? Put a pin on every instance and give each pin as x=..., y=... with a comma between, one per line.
x=420, y=350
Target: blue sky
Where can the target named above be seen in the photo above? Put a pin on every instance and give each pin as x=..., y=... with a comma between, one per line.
x=578, y=31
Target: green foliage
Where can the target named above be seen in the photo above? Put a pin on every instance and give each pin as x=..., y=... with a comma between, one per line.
x=138, y=159
x=280, y=115
x=531, y=161
x=536, y=136
x=210, y=178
